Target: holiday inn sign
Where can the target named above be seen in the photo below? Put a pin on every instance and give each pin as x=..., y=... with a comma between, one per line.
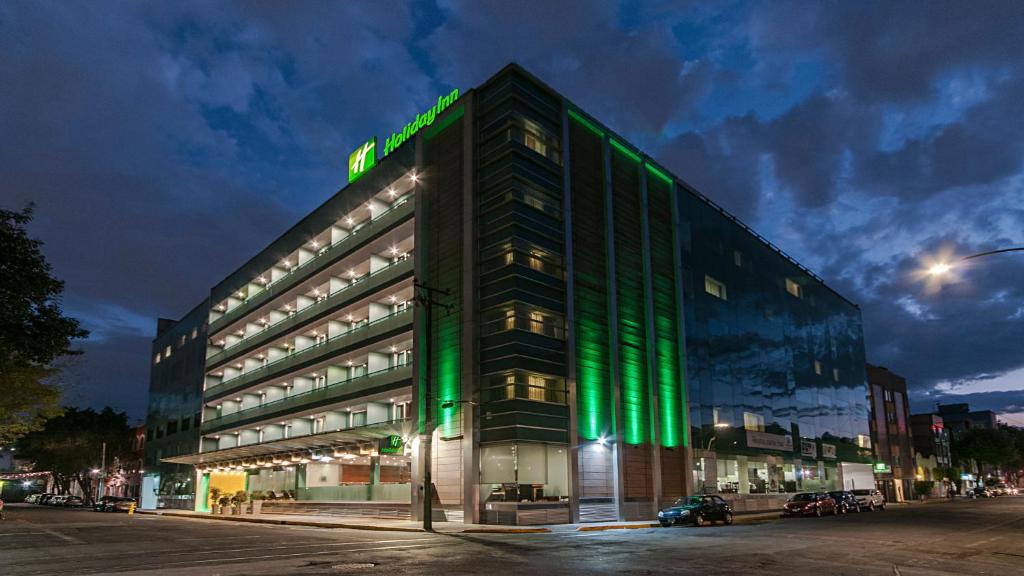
x=364, y=158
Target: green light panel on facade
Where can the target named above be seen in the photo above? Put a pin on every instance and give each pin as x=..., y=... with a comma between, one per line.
x=657, y=172
x=593, y=353
x=629, y=291
x=585, y=123
x=671, y=385
x=622, y=148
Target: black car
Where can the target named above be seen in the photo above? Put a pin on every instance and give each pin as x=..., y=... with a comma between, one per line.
x=696, y=510
x=845, y=501
x=981, y=492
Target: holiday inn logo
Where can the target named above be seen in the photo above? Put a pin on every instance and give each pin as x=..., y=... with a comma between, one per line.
x=362, y=160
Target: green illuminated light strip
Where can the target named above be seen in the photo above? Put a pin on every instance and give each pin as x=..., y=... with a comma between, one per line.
x=653, y=170
x=629, y=290
x=586, y=123
x=621, y=148
x=671, y=385
x=593, y=354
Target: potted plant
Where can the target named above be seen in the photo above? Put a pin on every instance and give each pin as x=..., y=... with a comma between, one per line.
x=239, y=501
x=225, y=504
x=257, y=497
x=215, y=500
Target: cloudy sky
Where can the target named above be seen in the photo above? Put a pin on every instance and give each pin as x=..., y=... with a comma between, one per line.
x=164, y=143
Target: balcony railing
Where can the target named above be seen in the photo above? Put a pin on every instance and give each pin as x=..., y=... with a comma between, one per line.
x=401, y=208
x=333, y=392
x=358, y=288
x=309, y=356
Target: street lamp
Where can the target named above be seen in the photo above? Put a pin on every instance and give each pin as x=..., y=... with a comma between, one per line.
x=941, y=269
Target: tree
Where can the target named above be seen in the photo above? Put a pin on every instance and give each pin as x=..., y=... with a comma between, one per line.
x=986, y=446
x=70, y=445
x=33, y=330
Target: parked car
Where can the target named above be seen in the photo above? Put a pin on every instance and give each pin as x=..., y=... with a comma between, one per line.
x=870, y=498
x=32, y=498
x=810, y=504
x=981, y=492
x=45, y=498
x=696, y=510
x=124, y=504
x=113, y=504
x=55, y=500
x=1002, y=489
x=845, y=500
x=72, y=502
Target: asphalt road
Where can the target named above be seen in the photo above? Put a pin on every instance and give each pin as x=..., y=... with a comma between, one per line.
x=964, y=537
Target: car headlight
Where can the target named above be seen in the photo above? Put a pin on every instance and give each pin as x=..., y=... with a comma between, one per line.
x=661, y=514
x=684, y=513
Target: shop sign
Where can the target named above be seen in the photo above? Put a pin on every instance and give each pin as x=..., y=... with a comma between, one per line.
x=769, y=441
x=882, y=468
x=808, y=448
x=364, y=158
x=391, y=445
x=828, y=450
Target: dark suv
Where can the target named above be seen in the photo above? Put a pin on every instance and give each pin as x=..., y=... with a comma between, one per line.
x=845, y=501
x=696, y=510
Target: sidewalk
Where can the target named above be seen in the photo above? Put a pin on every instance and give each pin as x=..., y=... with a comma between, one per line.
x=352, y=523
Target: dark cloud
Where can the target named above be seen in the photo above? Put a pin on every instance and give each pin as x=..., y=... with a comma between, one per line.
x=166, y=143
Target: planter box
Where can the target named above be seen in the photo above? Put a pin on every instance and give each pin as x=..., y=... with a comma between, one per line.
x=257, y=506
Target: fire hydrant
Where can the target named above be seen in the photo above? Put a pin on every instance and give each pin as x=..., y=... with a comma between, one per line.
x=131, y=508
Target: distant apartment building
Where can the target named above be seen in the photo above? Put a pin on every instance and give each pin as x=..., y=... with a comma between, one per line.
x=891, y=433
x=931, y=450
x=958, y=418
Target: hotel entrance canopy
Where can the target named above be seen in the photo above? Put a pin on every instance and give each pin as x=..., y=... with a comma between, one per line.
x=349, y=439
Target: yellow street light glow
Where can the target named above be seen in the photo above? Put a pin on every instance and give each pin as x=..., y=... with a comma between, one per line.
x=939, y=269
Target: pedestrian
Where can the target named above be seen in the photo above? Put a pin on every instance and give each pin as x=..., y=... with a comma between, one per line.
x=1, y=509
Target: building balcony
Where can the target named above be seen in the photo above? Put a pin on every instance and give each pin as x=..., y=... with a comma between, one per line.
x=378, y=329
x=334, y=392
x=359, y=288
x=360, y=236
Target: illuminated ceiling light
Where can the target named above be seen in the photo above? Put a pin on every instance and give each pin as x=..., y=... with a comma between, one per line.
x=314, y=244
x=394, y=348
x=261, y=280
x=392, y=192
x=349, y=221
x=414, y=177
x=241, y=295
x=602, y=440
x=393, y=298
x=349, y=317
x=351, y=272
x=348, y=362
x=316, y=292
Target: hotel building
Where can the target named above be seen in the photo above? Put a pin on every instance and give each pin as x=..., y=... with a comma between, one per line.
x=575, y=332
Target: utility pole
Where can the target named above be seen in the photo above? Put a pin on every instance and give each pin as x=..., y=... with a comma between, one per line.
x=425, y=298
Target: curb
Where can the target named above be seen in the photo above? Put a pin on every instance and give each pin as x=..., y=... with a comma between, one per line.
x=616, y=527
x=284, y=522
x=279, y=522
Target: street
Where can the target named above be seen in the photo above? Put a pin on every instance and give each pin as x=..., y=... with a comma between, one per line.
x=964, y=537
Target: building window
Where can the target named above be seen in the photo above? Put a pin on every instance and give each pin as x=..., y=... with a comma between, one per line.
x=737, y=258
x=167, y=352
x=753, y=422
x=793, y=288
x=835, y=374
x=817, y=367
x=195, y=333
x=714, y=287
x=156, y=359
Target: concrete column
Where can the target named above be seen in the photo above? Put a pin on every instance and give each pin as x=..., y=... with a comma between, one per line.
x=229, y=407
x=251, y=364
x=274, y=393
x=336, y=328
x=231, y=339
x=303, y=342
x=305, y=256
x=375, y=469
x=376, y=361
x=338, y=234
x=250, y=401
x=336, y=374
x=301, y=302
x=233, y=303
x=336, y=420
x=277, y=272
x=378, y=310
x=335, y=284
x=376, y=207
x=272, y=432
x=376, y=412
x=275, y=316
x=250, y=436
x=300, y=385
x=276, y=354
x=252, y=328
x=378, y=262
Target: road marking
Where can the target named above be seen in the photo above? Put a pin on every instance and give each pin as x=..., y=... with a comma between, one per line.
x=896, y=571
x=290, y=546
x=273, y=556
x=63, y=537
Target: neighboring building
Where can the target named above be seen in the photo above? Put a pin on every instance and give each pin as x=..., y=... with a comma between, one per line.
x=891, y=434
x=175, y=403
x=931, y=450
x=959, y=418
x=601, y=321
x=124, y=475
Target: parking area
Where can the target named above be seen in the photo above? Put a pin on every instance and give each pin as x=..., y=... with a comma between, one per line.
x=963, y=537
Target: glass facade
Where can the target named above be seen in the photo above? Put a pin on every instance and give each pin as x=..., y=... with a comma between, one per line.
x=775, y=361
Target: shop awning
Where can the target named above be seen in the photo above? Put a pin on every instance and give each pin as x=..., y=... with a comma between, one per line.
x=341, y=439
